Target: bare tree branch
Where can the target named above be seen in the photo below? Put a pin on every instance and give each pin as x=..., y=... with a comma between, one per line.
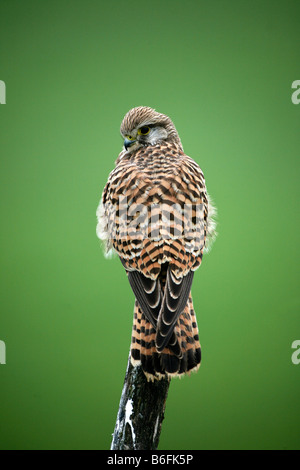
x=141, y=411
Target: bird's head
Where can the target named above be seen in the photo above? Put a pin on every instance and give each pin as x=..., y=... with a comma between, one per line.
x=143, y=126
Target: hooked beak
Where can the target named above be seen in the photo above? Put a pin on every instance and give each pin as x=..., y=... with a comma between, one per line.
x=128, y=143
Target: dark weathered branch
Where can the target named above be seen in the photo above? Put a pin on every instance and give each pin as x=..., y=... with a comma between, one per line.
x=141, y=412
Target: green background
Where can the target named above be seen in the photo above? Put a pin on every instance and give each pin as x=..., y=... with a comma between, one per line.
x=223, y=72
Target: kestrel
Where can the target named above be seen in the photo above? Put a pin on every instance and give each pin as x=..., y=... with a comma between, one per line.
x=155, y=213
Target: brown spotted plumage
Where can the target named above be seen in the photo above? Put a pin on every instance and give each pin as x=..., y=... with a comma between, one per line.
x=155, y=213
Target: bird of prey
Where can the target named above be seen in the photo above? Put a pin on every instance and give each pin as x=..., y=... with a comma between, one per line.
x=155, y=213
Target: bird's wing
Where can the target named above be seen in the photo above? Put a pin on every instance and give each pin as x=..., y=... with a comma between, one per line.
x=176, y=295
x=148, y=295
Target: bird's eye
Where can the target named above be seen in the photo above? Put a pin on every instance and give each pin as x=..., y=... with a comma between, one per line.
x=144, y=130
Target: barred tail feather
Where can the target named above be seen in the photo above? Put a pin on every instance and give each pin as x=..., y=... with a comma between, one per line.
x=181, y=356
